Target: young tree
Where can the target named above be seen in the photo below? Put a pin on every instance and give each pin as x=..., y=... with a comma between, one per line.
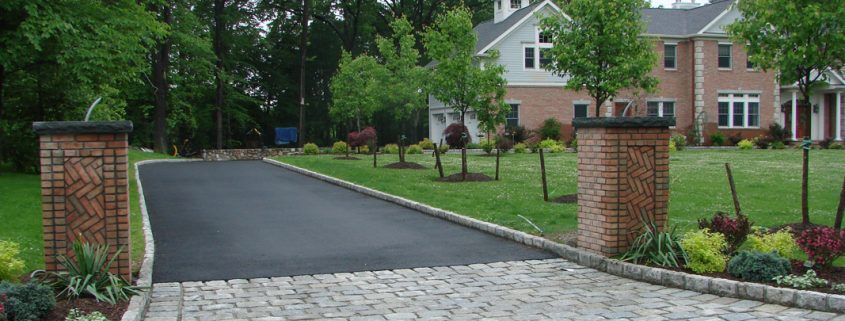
x=597, y=44
x=799, y=39
x=460, y=79
x=355, y=89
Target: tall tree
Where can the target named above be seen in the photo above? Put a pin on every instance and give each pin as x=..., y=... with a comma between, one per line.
x=161, y=86
x=355, y=89
x=597, y=45
x=219, y=29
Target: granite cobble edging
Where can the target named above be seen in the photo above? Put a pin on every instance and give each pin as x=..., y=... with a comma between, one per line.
x=722, y=287
x=138, y=303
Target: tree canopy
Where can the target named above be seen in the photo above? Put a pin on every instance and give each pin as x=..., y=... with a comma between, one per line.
x=355, y=89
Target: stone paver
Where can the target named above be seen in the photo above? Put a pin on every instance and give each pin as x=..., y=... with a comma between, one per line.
x=553, y=289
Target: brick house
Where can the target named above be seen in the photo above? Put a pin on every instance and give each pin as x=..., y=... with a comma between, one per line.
x=706, y=80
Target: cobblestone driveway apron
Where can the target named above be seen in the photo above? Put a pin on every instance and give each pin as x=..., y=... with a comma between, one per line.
x=552, y=289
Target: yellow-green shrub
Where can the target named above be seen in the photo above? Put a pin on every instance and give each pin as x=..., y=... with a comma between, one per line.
x=745, y=144
x=311, y=149
x=414, y=149
x=559, y=148
x=548, y=143
x=426, y=144
x=11, y=267
x=339, y=147
x=704, y=251
x=519, y=148
x=672, y=146
x=364, y=149
x=391, y=149
x=781, y=241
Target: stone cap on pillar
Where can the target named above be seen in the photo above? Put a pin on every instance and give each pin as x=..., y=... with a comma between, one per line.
x=81, y=127
x=622, y=122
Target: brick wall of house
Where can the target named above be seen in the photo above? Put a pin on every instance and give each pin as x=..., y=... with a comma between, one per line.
x=84, y=189
x=539, y=103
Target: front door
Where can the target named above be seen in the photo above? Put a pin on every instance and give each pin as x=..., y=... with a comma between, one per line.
x=803, y=125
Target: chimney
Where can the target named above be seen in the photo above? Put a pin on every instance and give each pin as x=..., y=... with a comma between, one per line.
x=502, y=9
x=681, y=4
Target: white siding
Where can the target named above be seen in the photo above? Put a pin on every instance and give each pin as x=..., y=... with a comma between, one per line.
x=719, y=26
x=511, y=52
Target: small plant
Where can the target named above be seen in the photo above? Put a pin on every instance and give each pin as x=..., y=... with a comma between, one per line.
x=364, y=149
x=391, y=149
x=518, y=133
x=778, y=133
x=735, y=139
x=672, y=147
x=745, y=144
x=88, y=275
x=76, y=315
x=705, y=251
x=807, y=281
x=548, y=143
x=456, y=135
x=717, y=139
x=504, y=144
x=778, y=145
x=822, y=244
x=656, y=247
x=426, y=144
x=836, y=146
x=550, y=129
x=781, y=242
x=444, y=148
x=559, y=148
x=414, y=149
x=474, y=146
x=680, y=141
x=487, y=146
x=339, y=147
x=825, y=143
x=519, y=148
x=26, y=302
x=838, y=287
x=310, y=149
x=735, y=230
x=11, y=267
x=756, y=266
x=762, y=142
x=573, y=143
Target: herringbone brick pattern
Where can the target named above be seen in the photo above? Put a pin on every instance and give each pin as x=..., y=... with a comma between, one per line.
x=638, y=192
x=84, y=200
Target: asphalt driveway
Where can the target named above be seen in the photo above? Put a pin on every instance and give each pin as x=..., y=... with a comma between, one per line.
x=249, y=219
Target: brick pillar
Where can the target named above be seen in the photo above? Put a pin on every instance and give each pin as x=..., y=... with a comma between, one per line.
x=623, y=173
x=84, y=188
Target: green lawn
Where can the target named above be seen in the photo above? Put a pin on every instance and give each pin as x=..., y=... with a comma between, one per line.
x=20, y=212
x=768, y=182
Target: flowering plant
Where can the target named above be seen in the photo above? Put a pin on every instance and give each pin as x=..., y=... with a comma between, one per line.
x=3, y=300
x=735, y=230
x=822, y=244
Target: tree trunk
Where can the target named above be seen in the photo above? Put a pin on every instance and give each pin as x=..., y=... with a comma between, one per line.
x=303, y=46
x=219, y=28
x=805, y=207
x=543, y=175
x=733, y=189
x=161, y=63
x=840, y=211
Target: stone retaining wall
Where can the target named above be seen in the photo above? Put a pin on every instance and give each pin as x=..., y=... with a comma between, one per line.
x=245, y=154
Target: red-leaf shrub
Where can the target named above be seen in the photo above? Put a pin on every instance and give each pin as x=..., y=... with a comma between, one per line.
x=453, y=135
x=822, y=244
x=366, y=136
x=352, y=139
x=735, y=230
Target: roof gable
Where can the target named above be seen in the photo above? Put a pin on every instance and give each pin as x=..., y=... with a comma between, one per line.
x=684, y=22
x=489, y=33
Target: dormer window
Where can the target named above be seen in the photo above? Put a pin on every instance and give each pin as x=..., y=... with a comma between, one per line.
x=544, y=37
x=515, y=4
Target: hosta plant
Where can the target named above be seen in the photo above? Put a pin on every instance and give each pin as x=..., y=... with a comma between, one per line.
x=88, y=275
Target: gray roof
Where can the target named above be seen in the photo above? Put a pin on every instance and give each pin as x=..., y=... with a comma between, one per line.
x=682, y=22
x=488, y=31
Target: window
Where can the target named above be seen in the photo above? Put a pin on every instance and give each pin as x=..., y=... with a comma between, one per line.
x=529, y=58
x=749, y=64
x=581, y=110
x=515, y=4
x=544, y=37
x=512, y=119
x=499, y=4
x=661, y=109
x=670, y=56
x=545, y=57
x=739, y=110
x=725, y=56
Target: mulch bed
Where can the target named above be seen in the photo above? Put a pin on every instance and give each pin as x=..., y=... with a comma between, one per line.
x=565, y=199
x=347, y=158
x=404, y=165
x=86, y=305
x=471, y=177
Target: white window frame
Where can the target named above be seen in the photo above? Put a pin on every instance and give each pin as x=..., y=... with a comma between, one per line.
x=730, y=55
x=674, y=44
x=660, y=107
x=536, y=57
x=580, y=102
x=512, y=104
x=739, y=97
x=516, y=3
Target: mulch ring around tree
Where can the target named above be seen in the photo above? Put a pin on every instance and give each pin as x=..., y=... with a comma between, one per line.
x=565, y=199
x=86, y=305
x=347, y=158
x=471, y=177
x=404, y=165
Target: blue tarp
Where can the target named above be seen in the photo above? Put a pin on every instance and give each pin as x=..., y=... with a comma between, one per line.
x=285, y=135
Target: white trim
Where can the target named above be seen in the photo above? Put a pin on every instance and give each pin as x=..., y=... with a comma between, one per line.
x=535, y=84
x=794, y=115
x=746, y=100
x=838, y=116
x=536, y=63
x=719, y=17
x=660, y=106
x=731, y=56
x=519, y=24
x=674, y=44
x=836, y=74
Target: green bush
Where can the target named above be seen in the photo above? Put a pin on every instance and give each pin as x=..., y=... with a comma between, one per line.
x=76, y=315
x=573, y=143
x=27, y=302
x=745, y=144
x=87, y=274
x=547, y=143
x=519, y=148
x=656, y=247
x=426, y=144
x=391, y=149
x=672, y=147
x=339, y=147
x=838, y=287
x=807, y=281
x=311, y=149
x=11, y=267
x=504, y=144
x=364, y=149
x=778, y=145
x=414, y=149
x=680, y=141
x=559, y=148
x=717, y=139
x=487, y=146
x=835, y=146
x=781, y=242
x=444, y=148
x=550, y=129
x=756, y=266
x=704, y=251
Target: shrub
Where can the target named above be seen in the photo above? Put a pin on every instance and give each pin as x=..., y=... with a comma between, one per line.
x=487, y=146
x=781, y=242
x=680, y=141
x=745, y=144
x=756, y=266
x=352, y=138
x=672, y=147
x=474, y=146
x=519, y=148
x=735, y=230
x=762, y=142
x=339, y=147
x=573, y=143
x=838, y=287
x=778, y=133
x=550, y=129
x=778, y=145
x=548, y=143
x=364, y=149
x=717, y=139
x=76, y=315
x=504, y=144
x=825, y=143
x=444, y=148
x=807, y=281
x=311, y=149
x=414, y=149
x=559, y=148
x=27, y=302
x=518, y=133
x=11, y=267
x=366, y=136
x=456, y=135
x=656, y=247
x=391, y=149
x=836, y=146
x=426, y=144
x=87, y=274
x=735, y=139
x=705, y=251
x=822, y=244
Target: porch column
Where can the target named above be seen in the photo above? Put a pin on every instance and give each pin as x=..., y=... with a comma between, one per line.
x=794, y=128
x=839, y=116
